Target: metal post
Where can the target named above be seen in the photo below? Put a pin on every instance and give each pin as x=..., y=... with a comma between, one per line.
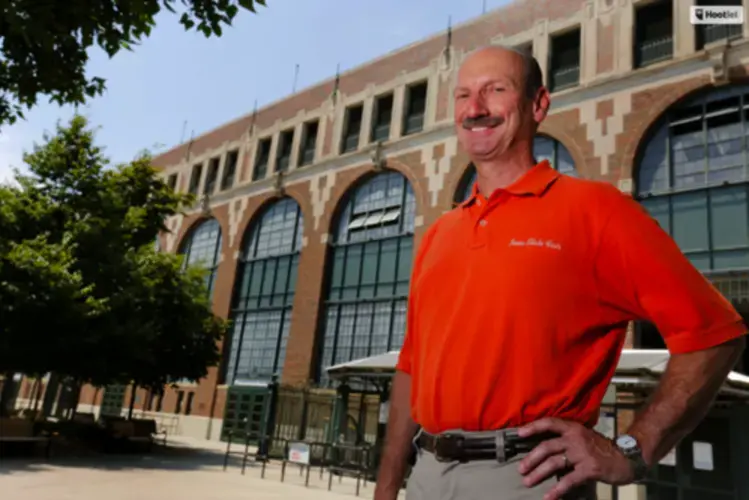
x=228, y=447
x=615, y=489
x=246, y=452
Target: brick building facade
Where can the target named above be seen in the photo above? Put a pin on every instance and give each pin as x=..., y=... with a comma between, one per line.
x=374, y=150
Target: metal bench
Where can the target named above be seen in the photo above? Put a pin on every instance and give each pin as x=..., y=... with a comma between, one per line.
x=19, y=432
x=135, y=431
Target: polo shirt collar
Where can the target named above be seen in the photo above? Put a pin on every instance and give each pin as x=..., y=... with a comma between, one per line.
x=534, y=182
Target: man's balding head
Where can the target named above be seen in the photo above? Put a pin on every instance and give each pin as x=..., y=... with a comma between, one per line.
x=533, y=78
x=499, y=102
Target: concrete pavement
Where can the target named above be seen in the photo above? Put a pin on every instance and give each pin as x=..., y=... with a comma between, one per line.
x=191, y=470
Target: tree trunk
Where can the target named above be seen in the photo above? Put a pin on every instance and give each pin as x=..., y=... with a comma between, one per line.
x=6, y=395
x=51, y=395
x=34, y=389
x=38, y=397
x=132, y=401
x=76, y=399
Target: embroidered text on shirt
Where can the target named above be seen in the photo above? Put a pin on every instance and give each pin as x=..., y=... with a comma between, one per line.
x=536, y=242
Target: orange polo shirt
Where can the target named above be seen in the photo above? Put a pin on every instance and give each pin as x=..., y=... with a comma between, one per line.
x=519, y=303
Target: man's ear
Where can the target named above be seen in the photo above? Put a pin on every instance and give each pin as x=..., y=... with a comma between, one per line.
x=541, y=105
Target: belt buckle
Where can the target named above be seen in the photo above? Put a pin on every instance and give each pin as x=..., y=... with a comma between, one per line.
x=445, y=445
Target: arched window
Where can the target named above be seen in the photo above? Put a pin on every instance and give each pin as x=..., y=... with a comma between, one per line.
x=692, y=178
x=202, y=248
x=264, y=294
x=369, y=272
x=692, y=173
x=544, y=148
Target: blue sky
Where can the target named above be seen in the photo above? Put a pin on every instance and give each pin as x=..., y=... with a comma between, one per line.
x=176, y=76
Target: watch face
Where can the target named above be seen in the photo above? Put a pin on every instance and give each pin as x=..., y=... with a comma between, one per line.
x=626, y=442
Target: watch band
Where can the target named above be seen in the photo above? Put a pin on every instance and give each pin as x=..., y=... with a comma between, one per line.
x=639, y=467
x=630, y=448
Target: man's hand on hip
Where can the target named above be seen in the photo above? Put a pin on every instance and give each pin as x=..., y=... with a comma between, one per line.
x=581, y=454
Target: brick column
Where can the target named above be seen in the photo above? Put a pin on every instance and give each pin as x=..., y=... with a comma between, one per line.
x=222, y=295
x=301, y=354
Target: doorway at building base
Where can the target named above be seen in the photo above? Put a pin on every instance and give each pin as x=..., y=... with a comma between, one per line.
x=113, y=400
x=247, y=412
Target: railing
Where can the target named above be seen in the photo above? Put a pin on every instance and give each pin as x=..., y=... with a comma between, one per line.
x=261, y=168
x=711, y=33
x=165, y=422
x=307, y=156
x=303, y=414
x=294, y=454
x=349, y=460
x=350, y=142
x=260, y=454
x=282, y=163
x=381, y=132
x=564, y=78
x=653, y=51
x=413, y=123
x=340, y=459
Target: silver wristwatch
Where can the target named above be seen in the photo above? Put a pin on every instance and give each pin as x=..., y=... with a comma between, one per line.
x=630, y=448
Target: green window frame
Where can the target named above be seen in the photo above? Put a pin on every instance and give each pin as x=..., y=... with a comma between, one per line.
x=202, y=248
x=264, y=295
x=692, y=174
x=369, y=272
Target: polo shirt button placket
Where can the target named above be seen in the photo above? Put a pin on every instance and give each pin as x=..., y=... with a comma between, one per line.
x=479, y=238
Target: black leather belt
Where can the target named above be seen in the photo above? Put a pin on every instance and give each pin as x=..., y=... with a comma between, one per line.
x=500, y=446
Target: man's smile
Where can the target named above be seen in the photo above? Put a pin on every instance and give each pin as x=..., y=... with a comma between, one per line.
x=482, y=123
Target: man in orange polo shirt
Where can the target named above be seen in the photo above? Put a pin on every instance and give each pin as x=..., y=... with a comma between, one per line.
x=519, y=303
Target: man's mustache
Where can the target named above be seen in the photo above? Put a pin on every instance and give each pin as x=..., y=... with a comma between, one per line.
x=482, y=121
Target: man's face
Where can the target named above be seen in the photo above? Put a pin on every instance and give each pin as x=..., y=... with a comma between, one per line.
x=492, y=110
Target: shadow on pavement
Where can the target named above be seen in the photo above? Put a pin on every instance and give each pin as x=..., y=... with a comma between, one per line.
x=161, y=458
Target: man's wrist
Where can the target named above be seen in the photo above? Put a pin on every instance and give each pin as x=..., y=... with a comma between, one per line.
x=629, y=446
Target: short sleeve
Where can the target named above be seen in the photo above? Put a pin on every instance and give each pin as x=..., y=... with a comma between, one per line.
x=642, y=273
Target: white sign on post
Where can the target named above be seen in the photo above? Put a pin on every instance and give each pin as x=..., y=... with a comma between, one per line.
x=299, y=453
x=384, y=411
x=702, y=456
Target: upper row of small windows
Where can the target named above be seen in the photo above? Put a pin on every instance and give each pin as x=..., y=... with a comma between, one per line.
x=414, y=113
x=654, y=31
x=382, y=117
x=380, y=130
x=228, y=176
x=307, y=150
x=653, y=43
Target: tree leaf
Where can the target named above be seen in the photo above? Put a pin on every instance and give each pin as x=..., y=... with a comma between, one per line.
x=46, y=45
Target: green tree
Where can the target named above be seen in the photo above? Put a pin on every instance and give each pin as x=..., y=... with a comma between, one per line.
x=41, y=294
x=45, y=45
x=82, y=237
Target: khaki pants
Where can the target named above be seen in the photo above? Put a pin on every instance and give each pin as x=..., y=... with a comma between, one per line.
x=477, y=480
